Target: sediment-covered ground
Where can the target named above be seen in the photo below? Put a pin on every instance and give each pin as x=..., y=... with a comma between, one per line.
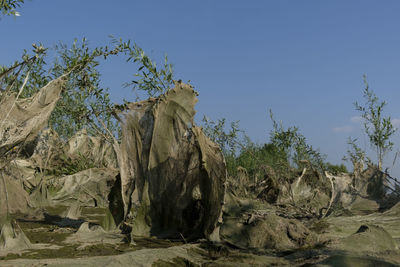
x=161, y=196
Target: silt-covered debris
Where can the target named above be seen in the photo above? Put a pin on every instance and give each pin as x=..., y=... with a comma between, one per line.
x=172, y=175
x=161, y=195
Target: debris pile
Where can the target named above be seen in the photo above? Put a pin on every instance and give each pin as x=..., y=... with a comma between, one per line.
x=172, y=175
x=166, y=180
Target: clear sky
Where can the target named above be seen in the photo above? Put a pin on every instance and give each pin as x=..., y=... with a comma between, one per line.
x=302, y=59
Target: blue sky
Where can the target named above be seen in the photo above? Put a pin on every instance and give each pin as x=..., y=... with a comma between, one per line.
x=302, y=59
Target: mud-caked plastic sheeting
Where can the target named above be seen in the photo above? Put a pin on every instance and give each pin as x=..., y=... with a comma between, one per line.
x=22, y=119
x=172, y=175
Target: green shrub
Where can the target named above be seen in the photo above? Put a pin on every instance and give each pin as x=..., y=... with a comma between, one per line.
x=336, y=169
x=256, y=158
x=84, y=103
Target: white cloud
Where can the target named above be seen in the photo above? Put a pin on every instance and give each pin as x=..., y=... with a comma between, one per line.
x=343, y=129
x=396, y=123
x=356, y=119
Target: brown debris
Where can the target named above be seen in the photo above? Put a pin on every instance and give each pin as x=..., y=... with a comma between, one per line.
x=172, y=171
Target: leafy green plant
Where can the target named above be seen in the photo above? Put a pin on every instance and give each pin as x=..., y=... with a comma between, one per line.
x=356, y=155
x=295, y=147
x=238, y=149
x=84, y=103
x=7, y=7
x=256, y=159
x=82, y=99
x=286, y=151
x=335, y=169
x=229, y=141
x=379, y=129
x=10, y=77
x=149, y=78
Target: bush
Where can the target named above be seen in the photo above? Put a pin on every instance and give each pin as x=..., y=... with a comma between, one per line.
x=336, y=169
x=284, y=156
x=256, y=159
x=83, y=103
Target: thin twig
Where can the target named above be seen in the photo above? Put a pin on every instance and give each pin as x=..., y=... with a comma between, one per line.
x=184, y=240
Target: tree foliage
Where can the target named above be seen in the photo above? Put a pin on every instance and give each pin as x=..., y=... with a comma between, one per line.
x=295, y=146
x=7, y=7
x=356, y=155
x=286, y=152
x=84, y=102
x=149, y=78
x=378, y=128
x=229, y=141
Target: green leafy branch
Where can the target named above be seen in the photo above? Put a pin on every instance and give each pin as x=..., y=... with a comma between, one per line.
x=84, y=103
x=7, y=7
x=295, y=147
x=149, y=78
x=228, y=141
x=378, y=128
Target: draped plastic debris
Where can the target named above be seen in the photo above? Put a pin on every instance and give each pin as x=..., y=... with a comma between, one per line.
x=22, y=119
x=20, y=122
x=172, y=175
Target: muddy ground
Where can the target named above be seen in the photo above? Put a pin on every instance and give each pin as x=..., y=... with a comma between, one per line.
x=338, y=244
x=161, y=197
